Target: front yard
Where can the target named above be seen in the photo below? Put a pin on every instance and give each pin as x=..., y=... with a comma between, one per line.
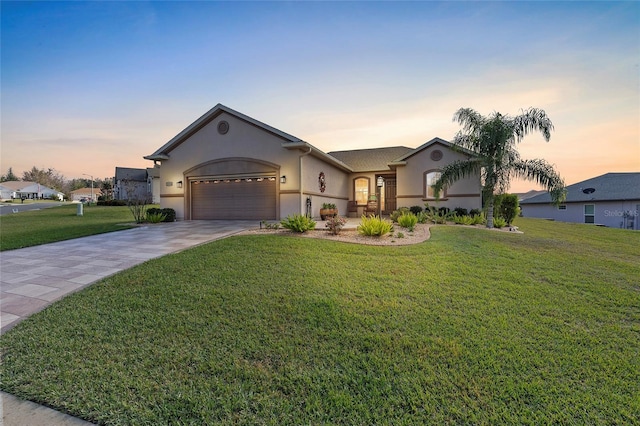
x=470, y=327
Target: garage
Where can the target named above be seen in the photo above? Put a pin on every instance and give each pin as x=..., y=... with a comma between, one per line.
x=234, y=198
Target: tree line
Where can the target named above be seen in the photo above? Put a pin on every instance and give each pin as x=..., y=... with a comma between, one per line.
x=51, y=178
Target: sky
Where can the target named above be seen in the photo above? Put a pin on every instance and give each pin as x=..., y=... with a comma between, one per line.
x=88, y=86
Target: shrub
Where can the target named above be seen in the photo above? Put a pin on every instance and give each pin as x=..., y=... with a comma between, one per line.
x=397, y=213
x=113, y=203
x=499, y=222
x=156, y=217
x=463, y=220
x=423, y=217
x=460, y=211
x=444, y=210
x=335, y=224
x=479, y=219
x=508, y=209
x=475, y=212
x=298, y=223
x=374, y=226
x=415, y=209
x=328, y=206
x=408, y=220
x=169, y=214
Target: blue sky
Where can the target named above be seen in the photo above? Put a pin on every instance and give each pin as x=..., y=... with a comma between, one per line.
x=88, y=86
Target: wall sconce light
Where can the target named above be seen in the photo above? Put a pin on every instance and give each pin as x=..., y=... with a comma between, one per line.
x=283, y=179
x=380, y=181
x=179, y=184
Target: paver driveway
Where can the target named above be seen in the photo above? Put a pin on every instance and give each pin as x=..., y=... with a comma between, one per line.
x=34, y=277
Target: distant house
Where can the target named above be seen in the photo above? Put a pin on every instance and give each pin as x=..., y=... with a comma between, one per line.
x=153, y=182
x=86, y=194
x=27, y=190
x=130, y=183
x=612, y=200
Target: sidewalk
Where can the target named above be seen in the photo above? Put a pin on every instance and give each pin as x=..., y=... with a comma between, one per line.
x=32, y=278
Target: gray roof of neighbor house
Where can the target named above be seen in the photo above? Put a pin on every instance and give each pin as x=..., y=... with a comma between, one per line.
x=368, y=160
x=608, y=187
x=139, y=175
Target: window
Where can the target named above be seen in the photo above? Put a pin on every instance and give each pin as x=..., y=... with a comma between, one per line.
x=589, y=213
x=430, y=179
x=361, y=190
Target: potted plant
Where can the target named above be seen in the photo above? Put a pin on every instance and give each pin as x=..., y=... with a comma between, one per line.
x=328, y=210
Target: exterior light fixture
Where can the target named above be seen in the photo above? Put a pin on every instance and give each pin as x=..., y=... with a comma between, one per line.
x=179, y=184
x=283, y=179
x=380, y=181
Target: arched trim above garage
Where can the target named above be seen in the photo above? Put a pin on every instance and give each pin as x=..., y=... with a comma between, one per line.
x=233, y=188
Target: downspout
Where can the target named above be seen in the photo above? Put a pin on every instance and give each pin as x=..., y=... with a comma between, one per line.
x=302, y=202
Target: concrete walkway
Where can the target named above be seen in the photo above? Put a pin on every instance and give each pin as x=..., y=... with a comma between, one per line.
x=33, y=278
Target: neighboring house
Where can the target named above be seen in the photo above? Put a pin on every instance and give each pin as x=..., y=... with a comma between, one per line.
x=529, y=194
x=226, y=165
x=130, y=183
x=28, y=190
x=153, y=182
x=86, y=194
x=612, y=199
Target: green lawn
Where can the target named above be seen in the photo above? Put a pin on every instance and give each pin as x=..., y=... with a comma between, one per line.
x=27, y=229
x=470, y=327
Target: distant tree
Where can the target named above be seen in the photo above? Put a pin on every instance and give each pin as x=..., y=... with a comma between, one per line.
x=493, y=140
x=50, y=178
x=9, y=176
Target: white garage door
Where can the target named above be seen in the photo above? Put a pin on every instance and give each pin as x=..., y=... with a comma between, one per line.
x=235, y=199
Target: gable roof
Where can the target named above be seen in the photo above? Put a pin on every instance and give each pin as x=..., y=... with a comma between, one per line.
x=608, y=187
x=163, y=152
x=427, y=144
x=131, y=174
x=367, y=160
x=87, y=191
x=26, y=186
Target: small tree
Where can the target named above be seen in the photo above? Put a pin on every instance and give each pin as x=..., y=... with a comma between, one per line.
x=137, y=203
x=492, y=140
x=9, y=176
x=507, y=207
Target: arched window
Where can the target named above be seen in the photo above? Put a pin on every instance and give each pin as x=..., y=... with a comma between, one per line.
x=361, y=190
x=430, y=179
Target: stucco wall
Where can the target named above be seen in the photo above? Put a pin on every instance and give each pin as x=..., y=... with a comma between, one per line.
x=243, y=140
x=411, y=181
x=336, y=185
x=609, y=214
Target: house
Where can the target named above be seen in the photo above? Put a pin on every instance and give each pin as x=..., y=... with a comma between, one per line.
x=612, y=200
x=227, y=165
x=86, y=194
x=131, y=183
x=27, y=190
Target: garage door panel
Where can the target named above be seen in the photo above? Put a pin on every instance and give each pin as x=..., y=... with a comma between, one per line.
x=244, y=200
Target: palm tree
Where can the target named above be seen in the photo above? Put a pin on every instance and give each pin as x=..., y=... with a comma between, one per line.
x=493, y=140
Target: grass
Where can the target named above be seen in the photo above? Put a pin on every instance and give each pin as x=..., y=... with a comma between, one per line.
x=470, y=327
x=49, y=225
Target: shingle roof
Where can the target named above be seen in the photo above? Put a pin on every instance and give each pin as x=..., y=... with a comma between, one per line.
x=368, y=160
x=131, y=174
x=608, y=187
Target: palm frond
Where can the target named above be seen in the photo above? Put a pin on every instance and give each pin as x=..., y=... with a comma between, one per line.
x=531, y=120
x=456, y=171
x=543, y=174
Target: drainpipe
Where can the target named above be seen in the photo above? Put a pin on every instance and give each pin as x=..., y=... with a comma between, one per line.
x=300, y=178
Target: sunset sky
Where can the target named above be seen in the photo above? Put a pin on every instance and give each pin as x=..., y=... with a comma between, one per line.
x=90, y=86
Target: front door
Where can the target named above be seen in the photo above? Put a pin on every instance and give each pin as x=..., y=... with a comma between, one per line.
x=390, y=203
